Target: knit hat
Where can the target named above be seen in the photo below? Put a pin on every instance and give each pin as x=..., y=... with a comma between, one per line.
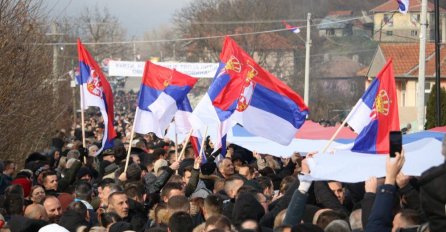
x=65, y=199
x=208, y=168
x=83, y=171
x=25, y=183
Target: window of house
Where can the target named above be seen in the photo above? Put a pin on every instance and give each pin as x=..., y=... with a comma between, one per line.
x=330, y=32
x=388, y=20
x=414, y=33
x=389, y=33
x=427, y=91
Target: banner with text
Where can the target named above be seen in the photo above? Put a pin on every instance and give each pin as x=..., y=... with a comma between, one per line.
x=135, y=69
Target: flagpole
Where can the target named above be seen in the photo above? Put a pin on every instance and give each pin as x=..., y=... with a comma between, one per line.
x=130, y=142
x=337, y=132
x=185, y=145
x=176, y=144
x=83, y=120
x=203, y=141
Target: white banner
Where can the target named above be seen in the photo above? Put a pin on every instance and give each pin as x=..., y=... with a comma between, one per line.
x=136, y=69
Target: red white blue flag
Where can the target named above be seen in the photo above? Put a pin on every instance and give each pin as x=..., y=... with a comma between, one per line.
x=403, y=6
x=161, y=95
x=376, y=114
x=293, y=29
x=243, y=92
x=96, y=91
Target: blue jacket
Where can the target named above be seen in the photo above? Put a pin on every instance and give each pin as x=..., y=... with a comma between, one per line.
x=381, y=217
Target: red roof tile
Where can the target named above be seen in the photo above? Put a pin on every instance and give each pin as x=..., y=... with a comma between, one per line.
x=414, y=6
x=405, y=58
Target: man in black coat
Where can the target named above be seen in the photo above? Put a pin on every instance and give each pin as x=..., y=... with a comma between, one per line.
x=433, y=194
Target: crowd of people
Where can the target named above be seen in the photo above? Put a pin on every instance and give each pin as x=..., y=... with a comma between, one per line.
x=68, y=188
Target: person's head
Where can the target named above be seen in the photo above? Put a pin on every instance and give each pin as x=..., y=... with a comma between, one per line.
x=118, y=203
x=83, y=191
x=180, y=222
x=136, y=192
x=92, y=149
x=108, y=155
x=326, y=217
x=171, y=189
x=84, y=174
x=226, y=168
x=178, y=204
x=50, y=180
x=263, y=200
x=53, y=208
x=106, y=219
x=337, y=226
x=106, y=190
x=135, y=158
x=9, y=167
x=36, y=211
x=133, y=173
x=267, y=186
x=213, y=205
x=355, y=219
x=250, y=225
x=286, y=183
x=37, y=194
x=217, y=221
x=278, y=220
x=14, y=201
x=406, y=218
x=187, y=174
x=232, y=185
x=246, y=171
x=338, y=190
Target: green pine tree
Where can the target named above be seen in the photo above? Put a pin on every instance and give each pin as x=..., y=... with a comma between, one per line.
x=431, y=108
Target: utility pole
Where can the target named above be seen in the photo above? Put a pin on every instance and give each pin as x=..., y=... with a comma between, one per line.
x=421, y=68
x=134, y=51
x=55, y=39
x=437, y=62
x=307, y=62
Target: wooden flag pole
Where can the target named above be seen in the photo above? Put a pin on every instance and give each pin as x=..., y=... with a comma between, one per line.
x=184, y=146
x=130, y=142
x=335, y=134
x=83, y=120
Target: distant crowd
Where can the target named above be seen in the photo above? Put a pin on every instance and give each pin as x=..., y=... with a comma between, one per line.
x=68, y=188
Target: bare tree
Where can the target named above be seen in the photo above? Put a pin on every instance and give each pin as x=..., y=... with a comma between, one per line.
x=29, y=111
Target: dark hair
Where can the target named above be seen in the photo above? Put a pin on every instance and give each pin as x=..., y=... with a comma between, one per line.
x=48, y=173
x=83, y=190
x=78, y=207
x=286, y=183
x=106, y=219
x=135, y=190
x=411, y=216
x=181, y=222
x=328, y=216
x=178, y=203
x=213, y=204
x=106, y=182
x=168, y=187
x=14, y=200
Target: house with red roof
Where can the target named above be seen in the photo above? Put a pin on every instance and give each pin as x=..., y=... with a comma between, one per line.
x=392, y=26
x=405, y=57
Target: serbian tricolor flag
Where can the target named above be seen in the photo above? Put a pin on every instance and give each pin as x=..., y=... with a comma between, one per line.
x=162, y=92
x=293, y=29
x=403, y=6
x=376, y=114
x=96, y=91
x=243, y=92
x=183, y=125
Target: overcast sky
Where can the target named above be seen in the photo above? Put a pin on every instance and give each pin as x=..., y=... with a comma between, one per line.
x=137, y=16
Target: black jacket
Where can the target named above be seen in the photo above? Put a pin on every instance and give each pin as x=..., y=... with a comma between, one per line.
x=433, y=197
